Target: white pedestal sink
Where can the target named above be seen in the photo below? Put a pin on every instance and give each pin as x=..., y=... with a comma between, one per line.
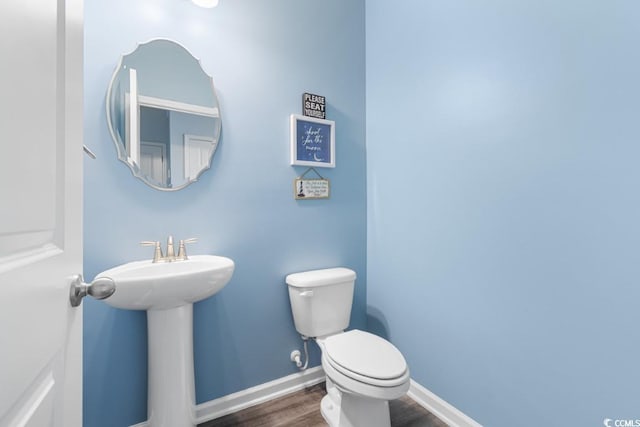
x=167, y=291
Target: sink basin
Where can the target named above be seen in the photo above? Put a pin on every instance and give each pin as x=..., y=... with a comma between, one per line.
x=143, y=285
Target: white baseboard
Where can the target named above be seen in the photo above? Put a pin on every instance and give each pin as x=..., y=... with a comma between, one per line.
x=438, y=407
x=244, y=399
x=259, y=394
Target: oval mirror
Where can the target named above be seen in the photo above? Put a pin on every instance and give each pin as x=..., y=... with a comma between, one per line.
x=163, y=114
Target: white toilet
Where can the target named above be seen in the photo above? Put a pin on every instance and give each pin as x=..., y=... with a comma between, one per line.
x=363, y=370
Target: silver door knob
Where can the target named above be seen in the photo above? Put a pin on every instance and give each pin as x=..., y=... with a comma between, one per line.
x=101, y=288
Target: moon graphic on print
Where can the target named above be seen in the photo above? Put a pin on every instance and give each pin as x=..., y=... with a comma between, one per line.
x=315, y=157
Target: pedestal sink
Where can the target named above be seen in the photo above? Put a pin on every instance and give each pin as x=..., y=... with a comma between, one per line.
x=167, y=291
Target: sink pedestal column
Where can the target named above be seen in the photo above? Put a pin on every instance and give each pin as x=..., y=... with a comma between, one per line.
x=171, y=399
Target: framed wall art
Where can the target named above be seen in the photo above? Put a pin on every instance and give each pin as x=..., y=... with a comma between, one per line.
x=312, y=142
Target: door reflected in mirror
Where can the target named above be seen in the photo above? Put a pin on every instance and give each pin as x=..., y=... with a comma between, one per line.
x=163, y=115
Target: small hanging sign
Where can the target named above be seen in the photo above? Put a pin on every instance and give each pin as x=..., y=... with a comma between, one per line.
x=309, y=189
x=314, y=106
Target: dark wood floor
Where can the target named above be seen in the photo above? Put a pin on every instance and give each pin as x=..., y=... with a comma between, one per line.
x=302, y=409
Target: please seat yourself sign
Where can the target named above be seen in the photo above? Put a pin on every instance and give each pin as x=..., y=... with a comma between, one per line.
x=313, y=106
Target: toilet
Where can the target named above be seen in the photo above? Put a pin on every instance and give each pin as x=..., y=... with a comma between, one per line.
x=363, y=370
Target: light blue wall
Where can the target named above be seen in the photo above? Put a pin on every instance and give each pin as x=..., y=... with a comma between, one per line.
x=263, y=56
x=503, y=205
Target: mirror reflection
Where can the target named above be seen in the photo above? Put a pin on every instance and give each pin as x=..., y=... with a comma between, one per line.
x=163, y=114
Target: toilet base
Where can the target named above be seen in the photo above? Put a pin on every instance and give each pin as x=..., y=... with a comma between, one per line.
x=349, y=410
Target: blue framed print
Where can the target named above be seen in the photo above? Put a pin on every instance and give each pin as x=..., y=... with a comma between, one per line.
x=312, y=142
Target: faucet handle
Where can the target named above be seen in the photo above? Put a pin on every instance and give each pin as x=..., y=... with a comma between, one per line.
x=157, y=254
x=182, y=251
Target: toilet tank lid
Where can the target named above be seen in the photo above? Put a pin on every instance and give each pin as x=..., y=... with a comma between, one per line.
x=324, y=277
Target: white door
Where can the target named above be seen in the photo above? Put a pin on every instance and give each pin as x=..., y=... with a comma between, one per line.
x=197, y=154
x=40, y=212
x=153, y=162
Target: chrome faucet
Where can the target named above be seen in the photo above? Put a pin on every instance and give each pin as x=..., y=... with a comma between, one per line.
x=171, y=256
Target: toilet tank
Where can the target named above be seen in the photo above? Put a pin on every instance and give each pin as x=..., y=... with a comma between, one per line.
x=321, y=300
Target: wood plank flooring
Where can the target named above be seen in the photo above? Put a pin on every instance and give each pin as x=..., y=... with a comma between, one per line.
x=302, y=409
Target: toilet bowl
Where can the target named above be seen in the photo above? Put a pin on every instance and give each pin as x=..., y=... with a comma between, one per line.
x=363, y=371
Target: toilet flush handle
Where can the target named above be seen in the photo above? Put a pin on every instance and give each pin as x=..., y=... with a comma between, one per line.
x=306, y=293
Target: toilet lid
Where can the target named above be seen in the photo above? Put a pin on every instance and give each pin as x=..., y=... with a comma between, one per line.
x=366, y=354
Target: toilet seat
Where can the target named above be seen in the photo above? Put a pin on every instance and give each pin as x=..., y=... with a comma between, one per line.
x=361, y=360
